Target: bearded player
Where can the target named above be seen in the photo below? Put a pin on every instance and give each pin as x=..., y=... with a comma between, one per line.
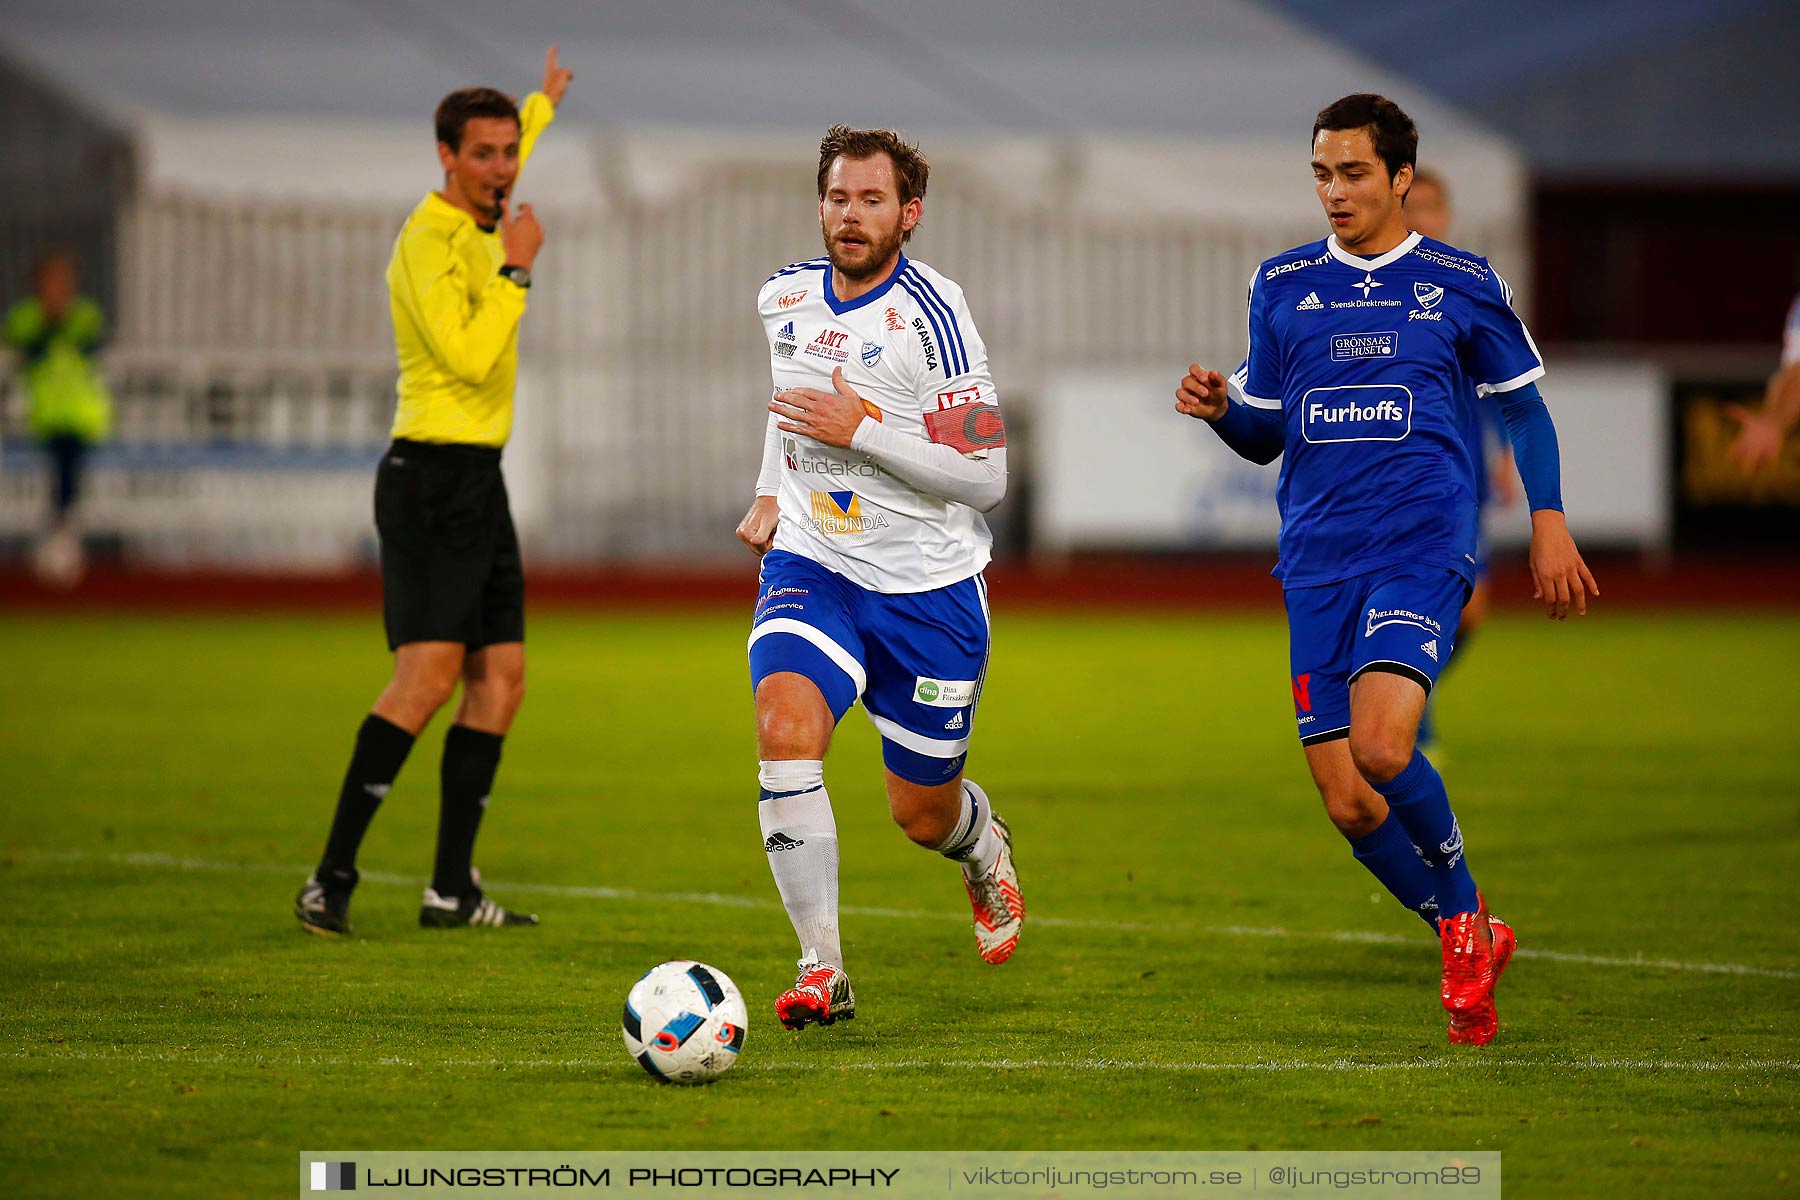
x=884, y=446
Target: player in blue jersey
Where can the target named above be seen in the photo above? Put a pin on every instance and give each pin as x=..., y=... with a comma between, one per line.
x=1361, y=346
x=1428, y=211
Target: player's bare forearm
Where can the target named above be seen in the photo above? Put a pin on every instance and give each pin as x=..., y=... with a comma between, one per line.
x=1560, y=578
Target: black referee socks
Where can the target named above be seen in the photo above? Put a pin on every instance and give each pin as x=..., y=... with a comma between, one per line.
x=470, y=759
x=381, y=750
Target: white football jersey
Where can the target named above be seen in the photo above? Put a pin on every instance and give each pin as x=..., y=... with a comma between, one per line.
x=910, y=349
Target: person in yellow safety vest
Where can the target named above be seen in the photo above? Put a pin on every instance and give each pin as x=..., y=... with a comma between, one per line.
x=55, y=333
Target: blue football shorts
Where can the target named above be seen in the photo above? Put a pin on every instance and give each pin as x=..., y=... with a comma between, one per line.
x=916, y=660
x=1400, y=619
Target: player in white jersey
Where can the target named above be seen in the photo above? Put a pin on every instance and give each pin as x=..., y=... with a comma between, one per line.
x=884, y=446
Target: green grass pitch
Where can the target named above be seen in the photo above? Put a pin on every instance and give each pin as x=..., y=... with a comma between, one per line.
x=1205, y=966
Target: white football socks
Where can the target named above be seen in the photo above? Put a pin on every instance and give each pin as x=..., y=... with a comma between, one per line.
x=974, y=843
x=800, y=837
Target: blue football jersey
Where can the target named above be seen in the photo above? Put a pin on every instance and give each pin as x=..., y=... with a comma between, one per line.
x=1368, y=360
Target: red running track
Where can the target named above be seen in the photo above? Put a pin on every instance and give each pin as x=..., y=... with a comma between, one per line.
x=1122, y=583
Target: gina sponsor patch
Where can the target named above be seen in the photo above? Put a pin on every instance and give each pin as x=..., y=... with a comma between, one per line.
x=944, y=693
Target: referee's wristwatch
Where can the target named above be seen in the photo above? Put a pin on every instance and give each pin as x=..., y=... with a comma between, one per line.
x=519, y=275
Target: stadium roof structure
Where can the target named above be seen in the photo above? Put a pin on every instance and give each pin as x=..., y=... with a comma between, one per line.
x=329, y=96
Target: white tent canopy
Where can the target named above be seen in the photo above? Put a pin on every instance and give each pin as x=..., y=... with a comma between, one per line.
x=1157, y=107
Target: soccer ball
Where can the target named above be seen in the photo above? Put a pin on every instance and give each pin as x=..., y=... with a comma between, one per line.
x=685, y=1022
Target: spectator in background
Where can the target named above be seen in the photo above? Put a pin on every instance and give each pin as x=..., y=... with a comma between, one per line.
x=1762, y=430
x=55, y=332
x=1496, y=479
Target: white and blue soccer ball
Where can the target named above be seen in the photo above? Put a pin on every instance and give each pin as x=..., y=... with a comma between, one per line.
x=685, y=1022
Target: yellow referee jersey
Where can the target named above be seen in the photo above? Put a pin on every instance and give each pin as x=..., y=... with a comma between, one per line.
x=456, y=321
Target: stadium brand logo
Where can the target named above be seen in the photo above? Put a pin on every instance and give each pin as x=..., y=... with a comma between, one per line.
x=1348, y=347
x=924, y=332
x=831, y=345
x=1427, y=294
x=1303, y=692
x=944, y=693
x=837, y=513
x=968, y=395
x=871, y=353
x=1312, y=303
x=893, y=322
x=1284, y=268
x=1381, y=618
x=789, y=299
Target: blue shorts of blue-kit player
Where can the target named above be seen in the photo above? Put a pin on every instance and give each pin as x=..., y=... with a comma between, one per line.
x=917, y=660
x=1401, y=619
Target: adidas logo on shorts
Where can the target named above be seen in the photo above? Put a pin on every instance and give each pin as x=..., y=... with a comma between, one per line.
x=1431, y=649
x=779, y=841
x=955, y=722
x=1311, y=302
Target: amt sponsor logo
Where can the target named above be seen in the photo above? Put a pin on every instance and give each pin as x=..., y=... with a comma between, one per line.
x=1371, y=412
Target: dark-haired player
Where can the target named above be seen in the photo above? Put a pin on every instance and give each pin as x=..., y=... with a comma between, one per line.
x=453, y=593
x=1360, y=348
x=883, y=448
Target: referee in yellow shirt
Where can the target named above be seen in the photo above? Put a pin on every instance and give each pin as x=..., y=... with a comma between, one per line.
x=453, y=592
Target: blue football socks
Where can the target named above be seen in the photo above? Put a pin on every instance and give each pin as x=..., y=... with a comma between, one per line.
x=1417, y=797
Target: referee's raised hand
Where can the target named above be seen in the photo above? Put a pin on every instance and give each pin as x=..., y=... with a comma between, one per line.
x=520, y=235
x=556, y=77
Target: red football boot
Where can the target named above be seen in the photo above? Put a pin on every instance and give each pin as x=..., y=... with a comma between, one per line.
x=820, y=996
x=1468, y=945
x=1478, y=1027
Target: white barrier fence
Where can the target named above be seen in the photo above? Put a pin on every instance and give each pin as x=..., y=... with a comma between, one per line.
x=253, y=359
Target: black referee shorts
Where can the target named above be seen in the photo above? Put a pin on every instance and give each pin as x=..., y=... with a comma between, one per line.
x=450, y=569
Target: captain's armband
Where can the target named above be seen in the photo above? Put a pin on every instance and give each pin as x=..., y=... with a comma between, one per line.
x=967, y=428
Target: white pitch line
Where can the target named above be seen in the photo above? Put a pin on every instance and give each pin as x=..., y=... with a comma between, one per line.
x=1460, y=1062
x=723, y=900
